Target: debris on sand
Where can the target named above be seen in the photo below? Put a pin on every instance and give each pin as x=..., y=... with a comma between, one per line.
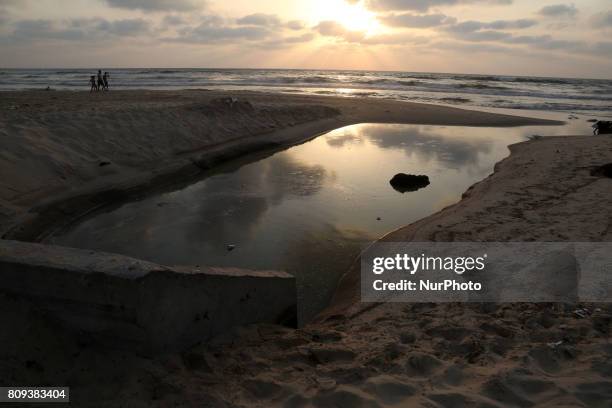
x=602, y=127
x=602, y=171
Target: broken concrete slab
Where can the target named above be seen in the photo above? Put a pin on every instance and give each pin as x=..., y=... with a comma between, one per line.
x=130, y=303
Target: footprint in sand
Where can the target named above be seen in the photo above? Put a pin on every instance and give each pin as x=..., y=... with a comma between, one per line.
x=420, y=365
x=389, y=390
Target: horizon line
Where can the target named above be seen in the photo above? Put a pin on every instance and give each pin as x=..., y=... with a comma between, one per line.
x=305, y=69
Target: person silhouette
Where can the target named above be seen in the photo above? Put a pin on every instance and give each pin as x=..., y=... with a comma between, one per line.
x=100, y=80
x=92, y=82
x=105, y=80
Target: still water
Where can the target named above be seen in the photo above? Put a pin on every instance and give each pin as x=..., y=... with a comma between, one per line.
x=306, y=210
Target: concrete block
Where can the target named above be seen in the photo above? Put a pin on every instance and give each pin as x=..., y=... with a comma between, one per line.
x=130, y=303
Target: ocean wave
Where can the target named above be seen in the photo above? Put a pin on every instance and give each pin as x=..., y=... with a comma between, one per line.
x=375, y=81
x=481, y=86
x=408, y=83
x=455, y=100
x=317, y=79
x=549, y=106
x=512, y=92
x=530, y=80
x=167, y=78
x=477, y=78
x=68, y=72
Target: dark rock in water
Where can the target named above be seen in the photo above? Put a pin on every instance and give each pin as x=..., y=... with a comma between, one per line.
x=408, y=182
x=104, y=163
x=602, y=127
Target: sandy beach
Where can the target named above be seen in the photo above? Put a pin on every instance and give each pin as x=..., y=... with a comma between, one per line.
x=66, y=153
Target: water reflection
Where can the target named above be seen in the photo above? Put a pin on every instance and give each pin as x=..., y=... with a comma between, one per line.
x=306, y=210
x=453, y=152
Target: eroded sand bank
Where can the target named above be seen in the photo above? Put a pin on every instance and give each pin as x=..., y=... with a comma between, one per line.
x=61, y=145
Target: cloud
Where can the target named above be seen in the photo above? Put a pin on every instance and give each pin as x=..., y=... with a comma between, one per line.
x=6, y=7
x=511, y=24
x=466, y=27
x=559, y=10
x=284, y=42
x=416, y=21
x=529, y=39
x=94, y=29
x=486, y=35
x=43, y=29
x=11, y=3
x=470, y=47
x=334, y=29
x=603, y=48
x=299, y=38
x=204, y=34
x=214, y=29
x=295, y=25
x=396, y=39
x=498, y=41
x=337, y=30
x=602, y=20
x=260, y=30
x=157, y=5
x=330, y=28
x=173, y=20
x=260, y=19
x=129, y=27
x=472, y=26
x=423, y=5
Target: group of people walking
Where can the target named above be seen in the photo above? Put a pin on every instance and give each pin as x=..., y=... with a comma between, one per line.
x=100, y=83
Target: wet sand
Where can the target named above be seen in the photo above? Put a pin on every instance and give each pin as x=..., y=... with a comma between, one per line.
x=354, y=355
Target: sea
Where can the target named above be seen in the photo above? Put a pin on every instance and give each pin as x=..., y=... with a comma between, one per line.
x=570, y=96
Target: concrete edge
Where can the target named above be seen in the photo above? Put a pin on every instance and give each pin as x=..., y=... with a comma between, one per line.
x=122, y=302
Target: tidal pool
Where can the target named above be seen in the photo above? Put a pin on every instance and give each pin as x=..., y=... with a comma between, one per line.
x=306, y=210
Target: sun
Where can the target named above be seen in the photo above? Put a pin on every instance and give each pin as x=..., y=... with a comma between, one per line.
x=354, y=17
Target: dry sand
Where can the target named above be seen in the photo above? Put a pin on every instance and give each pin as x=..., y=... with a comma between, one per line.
x=356, y=355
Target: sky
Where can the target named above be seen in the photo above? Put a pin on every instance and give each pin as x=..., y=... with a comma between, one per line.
x=514, y=37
